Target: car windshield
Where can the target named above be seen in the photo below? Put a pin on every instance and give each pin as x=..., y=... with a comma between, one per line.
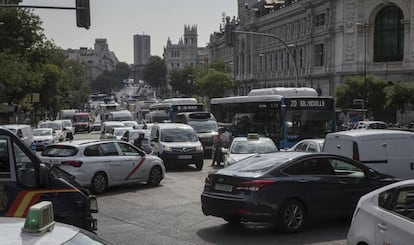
x=42, y=132
x=67, y=124
x=204, y=126
x=81, y=118
x=55, y=126
x=60, y=151
x=254, y=146
x=178, y=135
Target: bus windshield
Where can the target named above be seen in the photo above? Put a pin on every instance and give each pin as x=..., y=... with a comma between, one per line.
x=306, y=124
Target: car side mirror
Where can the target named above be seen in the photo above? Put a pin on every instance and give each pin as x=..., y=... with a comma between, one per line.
x=154, y=140
x=43, y=175
x=225, y=150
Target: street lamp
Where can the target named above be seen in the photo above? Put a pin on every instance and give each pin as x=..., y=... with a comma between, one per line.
x=365, y=57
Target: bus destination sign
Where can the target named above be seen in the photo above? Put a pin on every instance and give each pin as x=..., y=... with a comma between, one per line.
x=316, y=103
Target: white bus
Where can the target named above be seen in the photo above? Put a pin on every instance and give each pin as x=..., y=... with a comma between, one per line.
x=167, y=109
x=287, y=115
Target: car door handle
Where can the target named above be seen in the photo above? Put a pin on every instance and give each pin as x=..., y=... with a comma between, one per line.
x=382, y=227
x=302, y=180
x=343, y=182
x=412, y=166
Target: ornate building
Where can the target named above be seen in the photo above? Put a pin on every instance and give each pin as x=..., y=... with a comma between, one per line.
x=327, y=40
x=98, y=59
x=186, y=52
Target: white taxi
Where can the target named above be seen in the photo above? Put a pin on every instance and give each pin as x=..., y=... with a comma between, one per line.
x=40, y=228
x=242, y=147
x=384, y=216
x=99, y=164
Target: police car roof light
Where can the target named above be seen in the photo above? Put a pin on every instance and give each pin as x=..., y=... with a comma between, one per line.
x=39, y=218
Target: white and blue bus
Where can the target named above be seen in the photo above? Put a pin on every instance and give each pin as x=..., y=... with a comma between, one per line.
x=168, y=109
x=287, y=115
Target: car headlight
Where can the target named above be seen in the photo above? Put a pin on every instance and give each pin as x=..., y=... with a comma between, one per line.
x=167, y=148
x=199, y=148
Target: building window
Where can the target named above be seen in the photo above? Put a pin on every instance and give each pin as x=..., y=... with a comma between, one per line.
x=319, y=19
x=300, y=58
x=319, y=55
x=389, y=35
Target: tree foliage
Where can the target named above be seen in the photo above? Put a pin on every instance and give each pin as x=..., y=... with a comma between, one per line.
x=108, y=81
x=155, y=72
x=371, y=91
x=215, y=84
x=182, y=81
x=29, y=63
x=399, y=95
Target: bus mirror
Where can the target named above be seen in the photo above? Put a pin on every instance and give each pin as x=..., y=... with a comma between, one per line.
x=283, y=111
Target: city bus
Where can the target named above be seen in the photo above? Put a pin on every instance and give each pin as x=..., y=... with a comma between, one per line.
x=287, y=115
x=168, y=109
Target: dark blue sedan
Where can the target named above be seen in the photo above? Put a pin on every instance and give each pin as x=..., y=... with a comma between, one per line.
x=289, y=189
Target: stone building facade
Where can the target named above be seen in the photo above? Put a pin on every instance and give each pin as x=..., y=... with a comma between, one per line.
x=327, y=40
x=186, y=52
x=98, y=59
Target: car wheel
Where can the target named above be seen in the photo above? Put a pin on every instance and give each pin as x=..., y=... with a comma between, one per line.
x=291, y=217
x=155, y=176
x=99, y=183
x=199, y=165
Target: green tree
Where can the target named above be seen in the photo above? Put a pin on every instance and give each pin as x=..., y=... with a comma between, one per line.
x=371, y=91
x=155, y=72
x=215, y=84
x=183, y=81
x=399, y=95
x=108, y=81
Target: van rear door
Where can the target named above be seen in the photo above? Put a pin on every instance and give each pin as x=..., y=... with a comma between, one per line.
x=372, y=152
x=338, y=144
x=400, y=154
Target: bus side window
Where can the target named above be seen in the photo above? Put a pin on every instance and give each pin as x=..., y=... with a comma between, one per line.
x=26, y=173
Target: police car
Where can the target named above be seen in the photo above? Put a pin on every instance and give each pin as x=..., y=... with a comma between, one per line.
x=242, y=147
x=40, y=228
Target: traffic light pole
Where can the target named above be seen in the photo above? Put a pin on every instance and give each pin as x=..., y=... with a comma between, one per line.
x=82, y=11
x=34, y=6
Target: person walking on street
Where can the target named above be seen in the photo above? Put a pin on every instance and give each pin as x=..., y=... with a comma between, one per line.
x=139, y=139
x=219, y=142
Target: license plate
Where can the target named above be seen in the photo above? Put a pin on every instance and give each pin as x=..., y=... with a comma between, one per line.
x=184, y=156
x=223, y=187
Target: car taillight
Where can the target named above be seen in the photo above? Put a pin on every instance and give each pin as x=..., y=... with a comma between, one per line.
x=75, y=164
x=207, y=181
x=355, y=154
x=254, y=185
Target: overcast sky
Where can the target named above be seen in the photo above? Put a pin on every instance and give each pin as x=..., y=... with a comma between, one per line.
x=119, y=20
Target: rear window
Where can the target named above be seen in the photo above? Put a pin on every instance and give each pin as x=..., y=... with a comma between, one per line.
x=60, y=151
x=257, y=164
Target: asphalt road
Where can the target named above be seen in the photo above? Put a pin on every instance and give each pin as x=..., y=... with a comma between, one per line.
x=171, y=214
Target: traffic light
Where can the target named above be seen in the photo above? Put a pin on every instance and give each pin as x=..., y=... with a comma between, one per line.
x=83, y=14
x=229, y=32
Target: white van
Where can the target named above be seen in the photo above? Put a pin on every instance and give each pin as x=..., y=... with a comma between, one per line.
x=387, y=151
x=176, y=144
x=23, y=131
